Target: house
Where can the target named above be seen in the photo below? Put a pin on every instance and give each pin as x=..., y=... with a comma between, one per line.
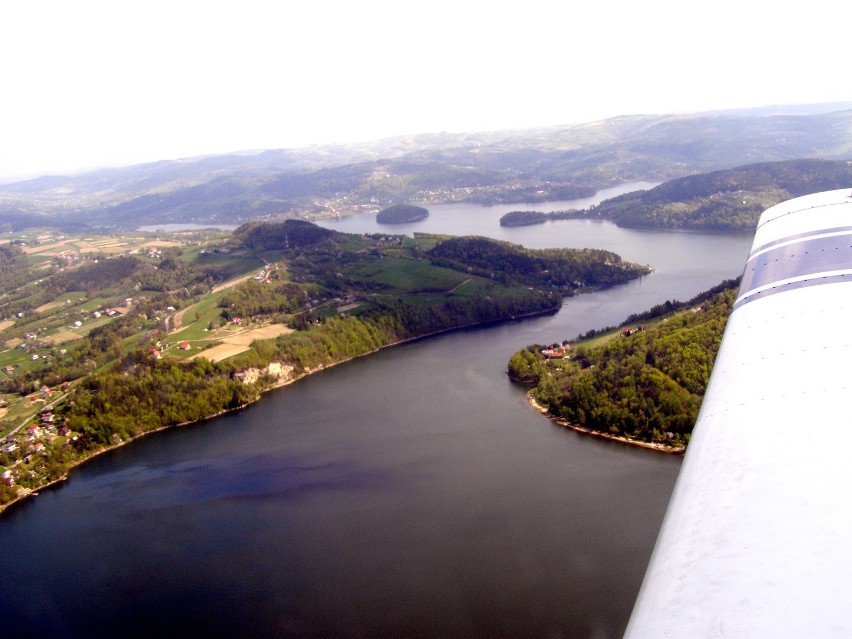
x=185, y=346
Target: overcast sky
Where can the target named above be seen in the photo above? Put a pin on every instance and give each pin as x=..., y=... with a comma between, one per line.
x=87, y=83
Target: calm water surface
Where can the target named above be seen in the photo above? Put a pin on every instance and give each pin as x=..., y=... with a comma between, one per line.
x=412, y=493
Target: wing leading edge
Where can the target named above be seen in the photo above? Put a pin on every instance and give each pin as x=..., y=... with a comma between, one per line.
x=757, y=539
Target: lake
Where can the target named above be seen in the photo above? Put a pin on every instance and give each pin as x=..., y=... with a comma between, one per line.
x=411, y=493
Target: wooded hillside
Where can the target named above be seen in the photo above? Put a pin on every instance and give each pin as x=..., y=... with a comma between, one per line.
x=732, y=199
x=646, y=385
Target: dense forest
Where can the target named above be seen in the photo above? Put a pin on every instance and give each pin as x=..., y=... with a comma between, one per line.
x=14, y=267
x=645, y=385
x=566, y=269
x=732, y=199
x=288, y=234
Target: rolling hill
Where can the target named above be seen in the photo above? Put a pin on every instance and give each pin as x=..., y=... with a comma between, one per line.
x=508, y=166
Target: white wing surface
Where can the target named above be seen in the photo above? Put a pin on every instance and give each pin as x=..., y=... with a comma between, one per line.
x=757, y=540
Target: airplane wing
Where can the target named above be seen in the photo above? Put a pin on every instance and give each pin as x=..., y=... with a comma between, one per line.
x=757, y=539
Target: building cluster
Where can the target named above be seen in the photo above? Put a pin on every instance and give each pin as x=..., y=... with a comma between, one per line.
x=31, y=440
x=557, y=351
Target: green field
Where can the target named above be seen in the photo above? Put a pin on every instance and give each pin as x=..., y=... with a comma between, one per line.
x=405, y=276
x=198, y=317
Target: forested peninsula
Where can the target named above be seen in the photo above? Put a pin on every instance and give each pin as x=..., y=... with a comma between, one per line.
x=641, y=382
x=527, y=218
x=141, y=334
x=728, y=200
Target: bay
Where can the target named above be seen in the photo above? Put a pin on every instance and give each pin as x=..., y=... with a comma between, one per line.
x=411, y=493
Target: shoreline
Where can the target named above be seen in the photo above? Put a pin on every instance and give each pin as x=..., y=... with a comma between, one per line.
x=280, y=383
x=563, y=423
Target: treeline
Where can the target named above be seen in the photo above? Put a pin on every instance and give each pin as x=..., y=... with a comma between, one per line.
x=334, y=339
x=660, y=310
x=725, y=200
x=125, y=272
x=647, y=386
x=567, y=269
x=14, y=267
x=103, y=345
x=140, y=394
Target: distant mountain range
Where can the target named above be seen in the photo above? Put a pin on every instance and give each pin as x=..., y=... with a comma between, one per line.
x=554, y=163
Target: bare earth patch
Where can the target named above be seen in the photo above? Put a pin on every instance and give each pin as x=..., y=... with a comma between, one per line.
x=232, y=283
x=161, y=243
x=6, y=324
x=177, y=319
x=46, y=307
x=48, y=249
x=240, y=342
x=220, y=352
x=61, y=338
x=266, y=332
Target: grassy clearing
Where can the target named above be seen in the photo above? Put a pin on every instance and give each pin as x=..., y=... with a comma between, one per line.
x=197, y=318
x=230, y=263
x=410, y=276
x=473, y=287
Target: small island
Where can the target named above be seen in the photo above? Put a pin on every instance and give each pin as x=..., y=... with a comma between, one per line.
x=523, y=218
x=401, y=214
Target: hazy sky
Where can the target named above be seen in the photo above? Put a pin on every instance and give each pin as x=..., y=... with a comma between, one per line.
x=88, y=83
